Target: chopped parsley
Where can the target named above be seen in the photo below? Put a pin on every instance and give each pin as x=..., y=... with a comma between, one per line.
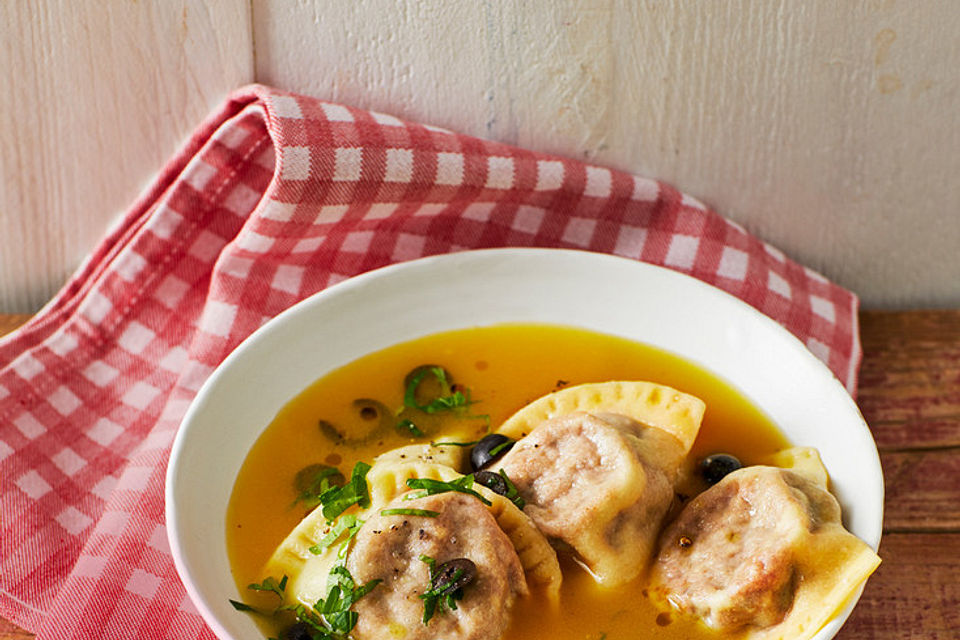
x=336, y=500
x=335, y=608
x=347, y=523
x=454, y=444
x=446, y=584
x=241, y=606
x=513, y=495
x=410, y=427
x=500, y=447
x=429, y=487
x=447, y=400
x=313, y=481
x=330, y=617
x=269, y=584
x=426, y=513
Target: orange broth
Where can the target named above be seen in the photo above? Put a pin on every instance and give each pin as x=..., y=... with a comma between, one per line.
x=505, y=367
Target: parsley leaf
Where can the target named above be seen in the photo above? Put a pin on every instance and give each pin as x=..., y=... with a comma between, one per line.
x=446, y=584
x=313, y=481
x=270, y=584
x=513, y=495
x=410, y=512
x=330, y=617
x=413, y=429
x=454, y=444
x=335, y=608
x=336, y=500
x=348, y=523
x=240, y=606
x=431, y=487
x=447, y=400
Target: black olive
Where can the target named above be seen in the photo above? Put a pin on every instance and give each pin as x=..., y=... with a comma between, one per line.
x=492, y=481
x=298, y=631
x=715, y=467
x=489, y=449
x=452, y=575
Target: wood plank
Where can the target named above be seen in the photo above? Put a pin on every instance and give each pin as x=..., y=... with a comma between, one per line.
x=99, y=95
x=10, y=631
x=826, y=127
x=10, y=321
x=922, y=490
x=915, y=594
x=910, y=378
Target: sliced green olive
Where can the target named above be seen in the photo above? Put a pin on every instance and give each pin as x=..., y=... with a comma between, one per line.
x=331, y=432
x=422, y=371
x=313, y=480
x=368, y=411
x=428, y=388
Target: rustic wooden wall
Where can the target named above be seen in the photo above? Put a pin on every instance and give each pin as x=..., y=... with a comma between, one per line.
x=97, y=94
x=828, y=128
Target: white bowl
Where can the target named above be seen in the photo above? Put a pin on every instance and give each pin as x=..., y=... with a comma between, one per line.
x=378, y=309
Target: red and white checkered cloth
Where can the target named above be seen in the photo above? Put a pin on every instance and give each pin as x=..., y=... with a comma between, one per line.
x=275, y=197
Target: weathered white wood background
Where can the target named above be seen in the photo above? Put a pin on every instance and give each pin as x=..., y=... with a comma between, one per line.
x=831, y=129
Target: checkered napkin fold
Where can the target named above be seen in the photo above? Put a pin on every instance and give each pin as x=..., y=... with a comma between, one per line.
x=275, y=197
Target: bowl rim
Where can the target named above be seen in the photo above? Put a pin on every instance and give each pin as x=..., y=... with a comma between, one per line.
x=345, y=287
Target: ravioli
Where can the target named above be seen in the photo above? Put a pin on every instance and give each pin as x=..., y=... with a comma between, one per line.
x=597, y=464
x=386, y=480
x=763, y=551
x=391, y=548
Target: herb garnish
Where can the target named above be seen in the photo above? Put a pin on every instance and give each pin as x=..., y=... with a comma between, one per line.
x=513, y=495
x=313, y=481
x=335, y=608
x=413, y=429
x=331, y=617
x=500, y=447
x=270, y=584
x=241, y=606
x=446, y=584
x=336, y=500
x=447, y=400
x=429, y=487
x=454, y=444
x=348, y=523
x=426, y=513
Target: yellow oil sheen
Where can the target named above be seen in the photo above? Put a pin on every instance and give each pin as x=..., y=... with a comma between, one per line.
x=504, y=367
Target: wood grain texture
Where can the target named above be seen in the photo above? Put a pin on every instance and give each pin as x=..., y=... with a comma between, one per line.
x=906, y=379
x=914, y=595
x=910, y=378
x=828, y=128
x=10, y=321
x=922, y=490
x=10, y=631
x=98, y=96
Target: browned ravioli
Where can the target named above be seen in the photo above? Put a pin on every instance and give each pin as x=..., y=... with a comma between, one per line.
x=389, y=548
x=730, y=556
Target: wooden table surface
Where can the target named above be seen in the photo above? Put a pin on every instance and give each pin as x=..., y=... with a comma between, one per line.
x=910, y=397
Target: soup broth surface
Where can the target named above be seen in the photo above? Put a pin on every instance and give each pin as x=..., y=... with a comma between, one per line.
x=504, y=367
